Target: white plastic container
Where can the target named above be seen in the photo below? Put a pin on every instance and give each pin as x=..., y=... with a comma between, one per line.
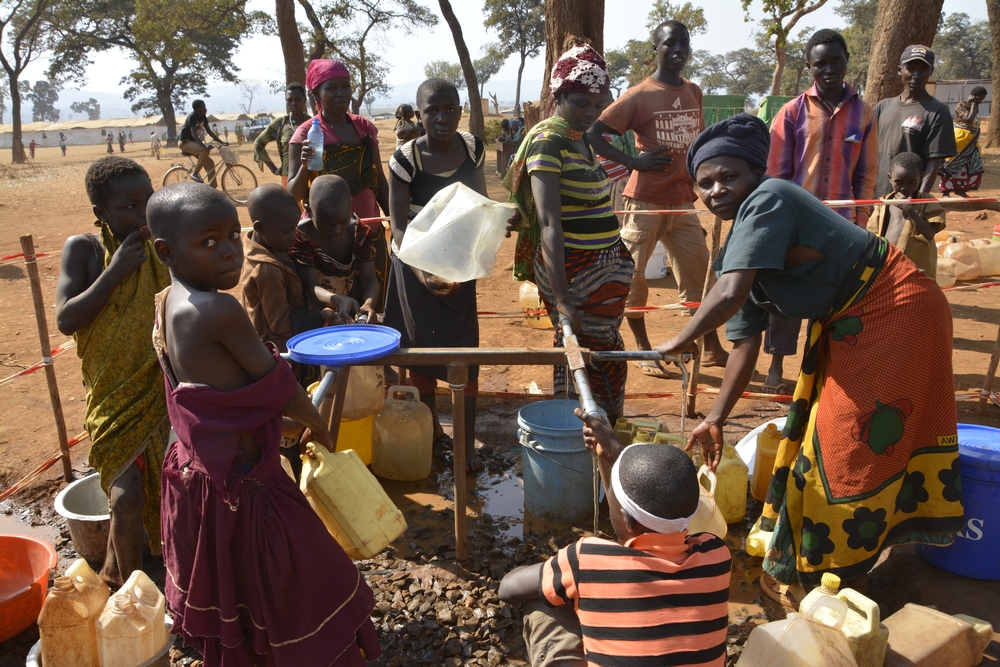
x=967, y=256
x=365, y=392
x=131, y=629
x=456, y=236
x=862, y=626
x=924, y=637
x=801, y=641
x=947, y=272
x=989, y=257
x=708, y=518
x=656, y=267
x=67, y=635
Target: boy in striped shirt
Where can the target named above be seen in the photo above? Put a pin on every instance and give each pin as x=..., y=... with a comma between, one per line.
x=658, y=598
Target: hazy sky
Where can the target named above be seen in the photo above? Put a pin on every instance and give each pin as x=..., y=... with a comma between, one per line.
x=260, y=57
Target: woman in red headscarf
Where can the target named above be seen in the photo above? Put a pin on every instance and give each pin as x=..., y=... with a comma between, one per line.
x=569, y=244
x=350, y=151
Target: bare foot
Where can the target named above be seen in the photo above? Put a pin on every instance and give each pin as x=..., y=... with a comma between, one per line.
x=472, y=461
x=774, y=384
x=714, y=359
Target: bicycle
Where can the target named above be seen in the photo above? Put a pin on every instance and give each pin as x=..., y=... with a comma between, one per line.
x=237, y=180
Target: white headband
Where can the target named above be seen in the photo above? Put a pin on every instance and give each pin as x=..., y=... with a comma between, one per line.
x=659, y=524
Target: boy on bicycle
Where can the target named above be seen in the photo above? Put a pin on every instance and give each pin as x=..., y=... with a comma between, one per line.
x=195, y=127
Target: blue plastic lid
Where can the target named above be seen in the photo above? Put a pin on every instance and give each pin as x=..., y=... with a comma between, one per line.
x=979, y=442
x=343, y=345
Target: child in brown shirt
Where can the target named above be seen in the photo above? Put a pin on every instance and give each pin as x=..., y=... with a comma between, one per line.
x=909, y=227
x=270, y=289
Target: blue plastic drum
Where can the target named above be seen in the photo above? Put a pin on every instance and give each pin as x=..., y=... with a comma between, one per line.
x=343, y=345
x=975, y=552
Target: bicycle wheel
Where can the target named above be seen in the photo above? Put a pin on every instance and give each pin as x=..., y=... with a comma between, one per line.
x=176, y=174
x=237, y=182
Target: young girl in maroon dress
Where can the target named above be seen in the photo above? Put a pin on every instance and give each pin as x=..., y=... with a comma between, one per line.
x=253, y=576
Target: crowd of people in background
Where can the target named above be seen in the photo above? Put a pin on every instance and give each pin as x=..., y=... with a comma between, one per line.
x=589, y=182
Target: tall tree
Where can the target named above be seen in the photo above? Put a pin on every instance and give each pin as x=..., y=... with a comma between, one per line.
x=43, y=97
x=250, y=90
x=860, y=18
x=780, y=16
x=359, y=25
x=520, y=25
x=23, y=37
x=993, y=13
x=442, y=69
x=962, y=49
x=692, y=17
x=898, y=23
x=477, y=125
x=177, y=45
x=91, y=107
x=567, y=23
x=4, y=94
x=292, y=49
x=487, y=67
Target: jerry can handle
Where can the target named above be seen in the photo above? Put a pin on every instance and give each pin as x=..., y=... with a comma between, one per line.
x=835, y=605
x=712, y=479
x=404, y=389
x=862, y=605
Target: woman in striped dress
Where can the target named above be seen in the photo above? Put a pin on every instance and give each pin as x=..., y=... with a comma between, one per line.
x=570, y=245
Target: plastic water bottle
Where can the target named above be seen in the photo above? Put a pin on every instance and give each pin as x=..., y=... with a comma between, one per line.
x=315, y=138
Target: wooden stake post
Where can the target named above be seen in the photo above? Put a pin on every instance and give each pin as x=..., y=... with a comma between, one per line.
x=31, y=266
x=991, y=373
x=692, y=395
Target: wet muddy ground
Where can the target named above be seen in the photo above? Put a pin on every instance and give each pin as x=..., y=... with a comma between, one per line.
x=432, y=610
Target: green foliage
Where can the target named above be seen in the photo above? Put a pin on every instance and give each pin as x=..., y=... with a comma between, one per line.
x=90, y=107
x=741, y=72
x=43, y=97
x=691, y=16
x=178, y=45
x=963, y=49
x=442, y=69
x=520, y=26
x=860, y=18
x=630, y=65
x=491, y=131
x=358, y=25
x=487, y=67
x=780, y=16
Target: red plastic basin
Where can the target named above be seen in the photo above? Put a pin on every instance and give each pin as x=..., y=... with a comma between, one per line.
x=25, y=563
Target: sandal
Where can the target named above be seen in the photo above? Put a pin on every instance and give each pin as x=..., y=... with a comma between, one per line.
x=780, y=388
x=654, y=369
x=788, y=596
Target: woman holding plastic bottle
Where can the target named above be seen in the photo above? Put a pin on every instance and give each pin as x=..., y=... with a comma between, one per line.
x=350, y=151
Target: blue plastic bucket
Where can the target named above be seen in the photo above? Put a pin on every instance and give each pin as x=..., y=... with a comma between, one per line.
x=558, y=468
x=975, y=552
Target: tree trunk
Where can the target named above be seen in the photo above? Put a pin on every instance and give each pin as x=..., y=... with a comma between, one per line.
x=779, y=68
x=16, y=145
x=898, y=24
x=567, y=23
x=993, y=126
x=291, y=41
x=517, y=95
x=169, y=117
x=476, y=123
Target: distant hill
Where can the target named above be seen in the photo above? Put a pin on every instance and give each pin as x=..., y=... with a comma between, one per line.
x=226, y=98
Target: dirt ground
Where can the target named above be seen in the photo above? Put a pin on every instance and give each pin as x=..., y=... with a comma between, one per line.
x=46, y=199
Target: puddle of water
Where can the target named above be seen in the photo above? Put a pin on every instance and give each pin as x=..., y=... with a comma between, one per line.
x=11, y=525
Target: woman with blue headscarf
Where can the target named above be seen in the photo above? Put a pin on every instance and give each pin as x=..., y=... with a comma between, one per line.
x=869, y=454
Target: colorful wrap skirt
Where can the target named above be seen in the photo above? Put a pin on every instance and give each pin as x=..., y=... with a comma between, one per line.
x=869, y=455
x=599, y=282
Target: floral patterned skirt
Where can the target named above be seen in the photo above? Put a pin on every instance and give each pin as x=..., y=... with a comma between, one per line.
x=869, y=456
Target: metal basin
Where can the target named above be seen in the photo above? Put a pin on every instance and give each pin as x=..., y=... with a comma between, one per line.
x=85, y=508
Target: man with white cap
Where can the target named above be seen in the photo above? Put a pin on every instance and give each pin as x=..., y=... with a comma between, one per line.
x=914, y=121
x=660, y=597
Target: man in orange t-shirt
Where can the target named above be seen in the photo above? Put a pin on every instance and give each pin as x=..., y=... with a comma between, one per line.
x=665, y=113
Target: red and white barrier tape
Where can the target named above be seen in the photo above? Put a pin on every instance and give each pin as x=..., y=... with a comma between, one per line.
x=837, y=203
x=55, y=352
x=34, y=474
x=9, y=259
